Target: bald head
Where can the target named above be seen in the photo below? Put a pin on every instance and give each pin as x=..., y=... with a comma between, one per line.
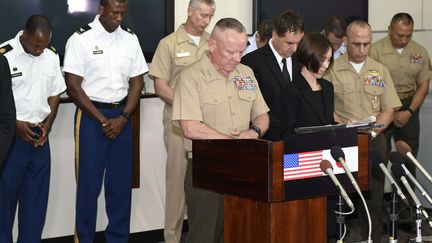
x=226, y=45
x=359, y=38
x=358, y=24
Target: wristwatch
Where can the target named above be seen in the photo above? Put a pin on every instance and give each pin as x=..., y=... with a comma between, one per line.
x=410, y=110
x=125, y=115
x=256, y=129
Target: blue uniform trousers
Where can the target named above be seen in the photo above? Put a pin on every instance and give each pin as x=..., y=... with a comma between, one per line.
x=24, y=181
x=100, y=159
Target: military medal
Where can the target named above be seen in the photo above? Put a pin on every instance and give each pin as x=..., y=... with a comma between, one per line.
x=375, y=102
x=374, y=78
x=416, y=58
x=244, y=83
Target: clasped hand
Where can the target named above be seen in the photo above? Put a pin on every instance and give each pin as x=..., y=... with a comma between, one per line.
x=245, y=134
x=113, y=127
x=25, y=130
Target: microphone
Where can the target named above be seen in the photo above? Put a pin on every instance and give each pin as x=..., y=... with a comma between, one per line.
x=376, y=156
x=399, y=172
x=327, y=168
x=397, y=158
x=405, y=149
x=338, y=155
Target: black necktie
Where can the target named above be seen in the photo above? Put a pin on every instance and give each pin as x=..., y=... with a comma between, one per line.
x=285, y=71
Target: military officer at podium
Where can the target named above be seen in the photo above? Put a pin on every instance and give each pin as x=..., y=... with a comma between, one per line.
x=217, y=98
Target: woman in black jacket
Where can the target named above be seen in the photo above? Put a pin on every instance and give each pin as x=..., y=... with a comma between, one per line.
x=308, y=100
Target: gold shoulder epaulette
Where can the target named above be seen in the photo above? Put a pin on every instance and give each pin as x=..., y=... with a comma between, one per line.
x=127, y=29
x=83, y=29
x=5, y=49
x=53, y=49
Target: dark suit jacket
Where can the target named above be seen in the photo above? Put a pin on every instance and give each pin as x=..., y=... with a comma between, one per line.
x=270, y=79
x=297, y=109
x=7, y=110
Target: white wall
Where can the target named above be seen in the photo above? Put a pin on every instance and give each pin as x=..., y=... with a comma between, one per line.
x=239, y=9
x=147, y=201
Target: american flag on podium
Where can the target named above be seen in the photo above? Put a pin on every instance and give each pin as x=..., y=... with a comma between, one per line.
x=302, y=165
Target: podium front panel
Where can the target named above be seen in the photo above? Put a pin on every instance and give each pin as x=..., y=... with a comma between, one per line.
x=319, y=141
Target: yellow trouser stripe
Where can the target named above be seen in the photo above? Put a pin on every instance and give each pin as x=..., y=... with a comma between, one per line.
x=77, y=129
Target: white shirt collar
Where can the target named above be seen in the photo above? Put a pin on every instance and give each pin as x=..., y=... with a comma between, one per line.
x=340, y=51
x=357, y=66
x=279, y=58
x=19, y=49
x=97, y=25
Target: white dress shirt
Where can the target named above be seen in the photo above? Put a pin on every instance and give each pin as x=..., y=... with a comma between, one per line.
x=105, y=60
x=34, y=80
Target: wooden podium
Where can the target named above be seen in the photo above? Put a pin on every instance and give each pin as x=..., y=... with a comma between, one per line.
x=258, y=208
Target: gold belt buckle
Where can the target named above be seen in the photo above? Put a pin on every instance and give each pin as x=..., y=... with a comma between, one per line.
x=115, y=105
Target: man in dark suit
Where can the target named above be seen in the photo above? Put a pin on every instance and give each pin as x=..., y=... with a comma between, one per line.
x=275, y=66
x=7, y=110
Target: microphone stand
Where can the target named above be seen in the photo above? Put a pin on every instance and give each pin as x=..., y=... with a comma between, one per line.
x=393, y=218
x=418, y=221
x=340, y=219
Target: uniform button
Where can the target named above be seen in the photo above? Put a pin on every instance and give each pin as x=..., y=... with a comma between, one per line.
x=215, y=101
x=233, y=113
x=229, y=97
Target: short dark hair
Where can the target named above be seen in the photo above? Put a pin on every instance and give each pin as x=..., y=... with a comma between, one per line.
x=404, y=17
x=106, y=2
x=265, y=30
x=335, y=25
x=288, y=21
x=38, y=22
x=311, y=50
x=229, y=23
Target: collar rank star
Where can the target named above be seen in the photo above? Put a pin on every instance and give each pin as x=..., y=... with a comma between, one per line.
x=244, y=83
x=97, y=51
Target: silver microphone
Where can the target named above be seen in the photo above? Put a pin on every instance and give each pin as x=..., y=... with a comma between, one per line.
x=338, y=155
x=397, y=158
x=399, y=172
x=327, y=168
x=405, y=149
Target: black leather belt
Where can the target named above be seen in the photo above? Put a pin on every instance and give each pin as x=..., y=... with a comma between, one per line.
x=114, y=105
